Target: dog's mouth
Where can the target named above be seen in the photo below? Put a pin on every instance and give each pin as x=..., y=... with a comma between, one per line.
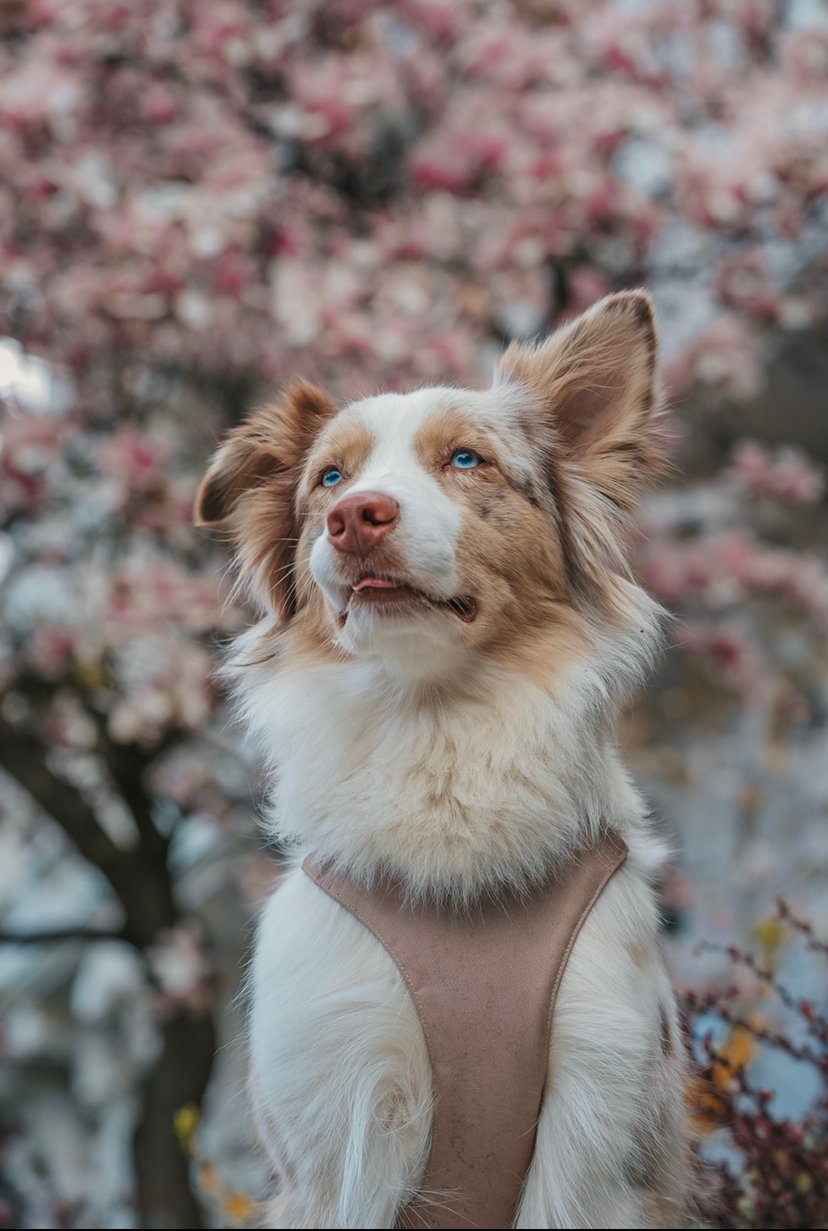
x=390, y=593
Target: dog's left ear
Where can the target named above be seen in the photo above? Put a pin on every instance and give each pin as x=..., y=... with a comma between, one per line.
x=594, y=380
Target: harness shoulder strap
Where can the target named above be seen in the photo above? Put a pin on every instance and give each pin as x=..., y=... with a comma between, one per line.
x=484, y=985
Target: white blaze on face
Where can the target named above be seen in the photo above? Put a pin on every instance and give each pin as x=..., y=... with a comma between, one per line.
x=424, y=543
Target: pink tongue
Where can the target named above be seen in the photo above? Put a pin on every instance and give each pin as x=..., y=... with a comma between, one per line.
x=374, y=583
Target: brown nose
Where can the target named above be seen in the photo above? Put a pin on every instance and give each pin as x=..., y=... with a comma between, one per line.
x=360, y=522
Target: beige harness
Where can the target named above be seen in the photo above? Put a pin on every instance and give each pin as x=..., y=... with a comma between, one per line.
x=484, y=985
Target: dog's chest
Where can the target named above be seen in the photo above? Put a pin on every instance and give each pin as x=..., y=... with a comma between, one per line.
x=483, y=793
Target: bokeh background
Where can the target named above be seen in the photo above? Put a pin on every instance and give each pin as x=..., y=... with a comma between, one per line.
x=200, y=199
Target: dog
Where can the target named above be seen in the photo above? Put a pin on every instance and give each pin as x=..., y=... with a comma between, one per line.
x=449, y=629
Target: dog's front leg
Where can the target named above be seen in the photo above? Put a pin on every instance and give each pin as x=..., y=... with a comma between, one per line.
x=612, y=1147
x=339, y=1070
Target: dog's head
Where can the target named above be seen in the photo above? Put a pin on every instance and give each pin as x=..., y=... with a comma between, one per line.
x=414, y=527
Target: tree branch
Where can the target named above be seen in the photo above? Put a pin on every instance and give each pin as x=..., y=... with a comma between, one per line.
x=140, y=883
x=57, y=935
x=126, y=765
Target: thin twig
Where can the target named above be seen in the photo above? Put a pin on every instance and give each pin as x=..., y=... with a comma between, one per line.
x=58, y=935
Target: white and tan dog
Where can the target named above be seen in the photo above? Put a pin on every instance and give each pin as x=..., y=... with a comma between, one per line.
x=448, y=632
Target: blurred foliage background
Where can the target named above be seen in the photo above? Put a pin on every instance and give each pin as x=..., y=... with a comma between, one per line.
x=200, y=199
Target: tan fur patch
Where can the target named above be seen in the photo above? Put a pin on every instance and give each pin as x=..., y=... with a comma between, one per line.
x=346, y=444
x=511, y=553
x=639, y=956
x=596, y=414
x=454, y=428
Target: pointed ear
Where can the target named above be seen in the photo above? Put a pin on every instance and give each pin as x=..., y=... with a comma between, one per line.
x=594, y=381
x=250, y=488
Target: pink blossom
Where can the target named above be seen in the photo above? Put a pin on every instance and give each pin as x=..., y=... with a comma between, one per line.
x=727, y=651
x=785, y=475
x=29, y=446
x=180, y=964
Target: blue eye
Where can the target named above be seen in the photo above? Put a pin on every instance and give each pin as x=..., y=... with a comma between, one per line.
x=331, y=477
x=465, y=459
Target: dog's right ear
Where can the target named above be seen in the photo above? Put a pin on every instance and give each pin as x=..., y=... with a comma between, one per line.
x=250, y=487
x=272, y=441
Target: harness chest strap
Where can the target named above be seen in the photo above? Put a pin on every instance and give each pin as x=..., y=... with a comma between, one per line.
x=484, y=985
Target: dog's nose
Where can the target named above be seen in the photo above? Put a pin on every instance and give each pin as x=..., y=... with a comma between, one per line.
x=360, y=522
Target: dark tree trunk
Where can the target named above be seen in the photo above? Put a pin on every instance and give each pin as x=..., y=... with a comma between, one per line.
x=179, y=1078
x=140, y=879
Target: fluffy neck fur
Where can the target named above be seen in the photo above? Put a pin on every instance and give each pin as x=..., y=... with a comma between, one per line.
x=476, y=784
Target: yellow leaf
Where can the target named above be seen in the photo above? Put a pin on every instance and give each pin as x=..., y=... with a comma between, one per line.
x=770, y=934
x=238, y=1207
x=186, y=1121
x=737, y=1052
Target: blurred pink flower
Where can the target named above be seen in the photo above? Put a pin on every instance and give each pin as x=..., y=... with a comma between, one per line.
x=181, y=967
x=785, y=474
x=728, y=652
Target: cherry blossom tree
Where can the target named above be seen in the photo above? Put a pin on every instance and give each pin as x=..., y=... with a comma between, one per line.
x=200, y=199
